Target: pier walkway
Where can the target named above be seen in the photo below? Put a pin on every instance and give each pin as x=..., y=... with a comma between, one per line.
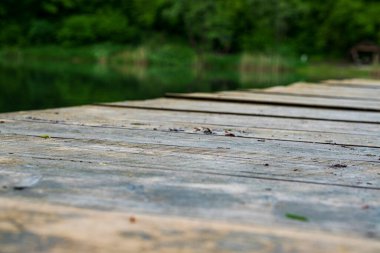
x=285, y=169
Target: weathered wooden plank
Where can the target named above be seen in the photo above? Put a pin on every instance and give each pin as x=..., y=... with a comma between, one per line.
x=362, y=83
x=185, y=105
x=275, y=99
x=123, y=185
x=355, y=134
x=274, y=159
x=317, y=90
x=130, y=117
x=52, y=228
x=198, y=139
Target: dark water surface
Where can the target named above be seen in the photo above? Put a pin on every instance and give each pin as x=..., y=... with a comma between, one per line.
x=27, y=86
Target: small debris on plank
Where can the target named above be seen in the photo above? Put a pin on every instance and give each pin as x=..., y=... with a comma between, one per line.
x=207, y=130
x=365, y=207
x=197, y=129
x=26, y=183
x=45, y=136
x=338, y=165
x=154, y=129
x=132, y=219
x=297, y=217
x=2, y=121
x=261, y=140
x=266, y=165
x=33, y=118
x=229, y=134
x=371, y=234
x=138, y=124
x=346, y=146
x=176, y=130
x=296, y=170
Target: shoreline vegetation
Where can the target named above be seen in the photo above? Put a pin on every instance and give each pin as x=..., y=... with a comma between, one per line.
x=55, y=76
x=254, y=39
x=127, y=59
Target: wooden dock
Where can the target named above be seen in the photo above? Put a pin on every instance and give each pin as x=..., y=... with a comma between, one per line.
x=286, y=169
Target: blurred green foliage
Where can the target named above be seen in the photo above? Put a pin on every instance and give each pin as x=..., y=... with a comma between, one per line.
x=328, y=27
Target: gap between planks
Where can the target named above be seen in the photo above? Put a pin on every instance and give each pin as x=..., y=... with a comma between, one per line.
x=248, y=109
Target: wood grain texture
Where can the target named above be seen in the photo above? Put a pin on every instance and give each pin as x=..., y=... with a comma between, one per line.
x=202, y=186
x=281, y=99
x=318, y=90
x=287, y=160
x=362, y=83
x=27, y=226
x=355, y=134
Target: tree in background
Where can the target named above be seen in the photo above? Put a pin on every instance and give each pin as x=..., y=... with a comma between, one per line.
x=223, y=26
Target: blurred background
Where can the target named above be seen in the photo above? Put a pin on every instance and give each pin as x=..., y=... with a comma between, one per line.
x=68, y=52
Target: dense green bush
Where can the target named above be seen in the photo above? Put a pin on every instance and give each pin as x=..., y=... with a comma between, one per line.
x=11, y=34
x=92, y=28
x=41, y=32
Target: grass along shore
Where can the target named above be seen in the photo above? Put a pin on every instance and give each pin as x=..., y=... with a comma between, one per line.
x=136, y=60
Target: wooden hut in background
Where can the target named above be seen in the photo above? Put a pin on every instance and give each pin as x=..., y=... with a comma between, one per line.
x=365, y=53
